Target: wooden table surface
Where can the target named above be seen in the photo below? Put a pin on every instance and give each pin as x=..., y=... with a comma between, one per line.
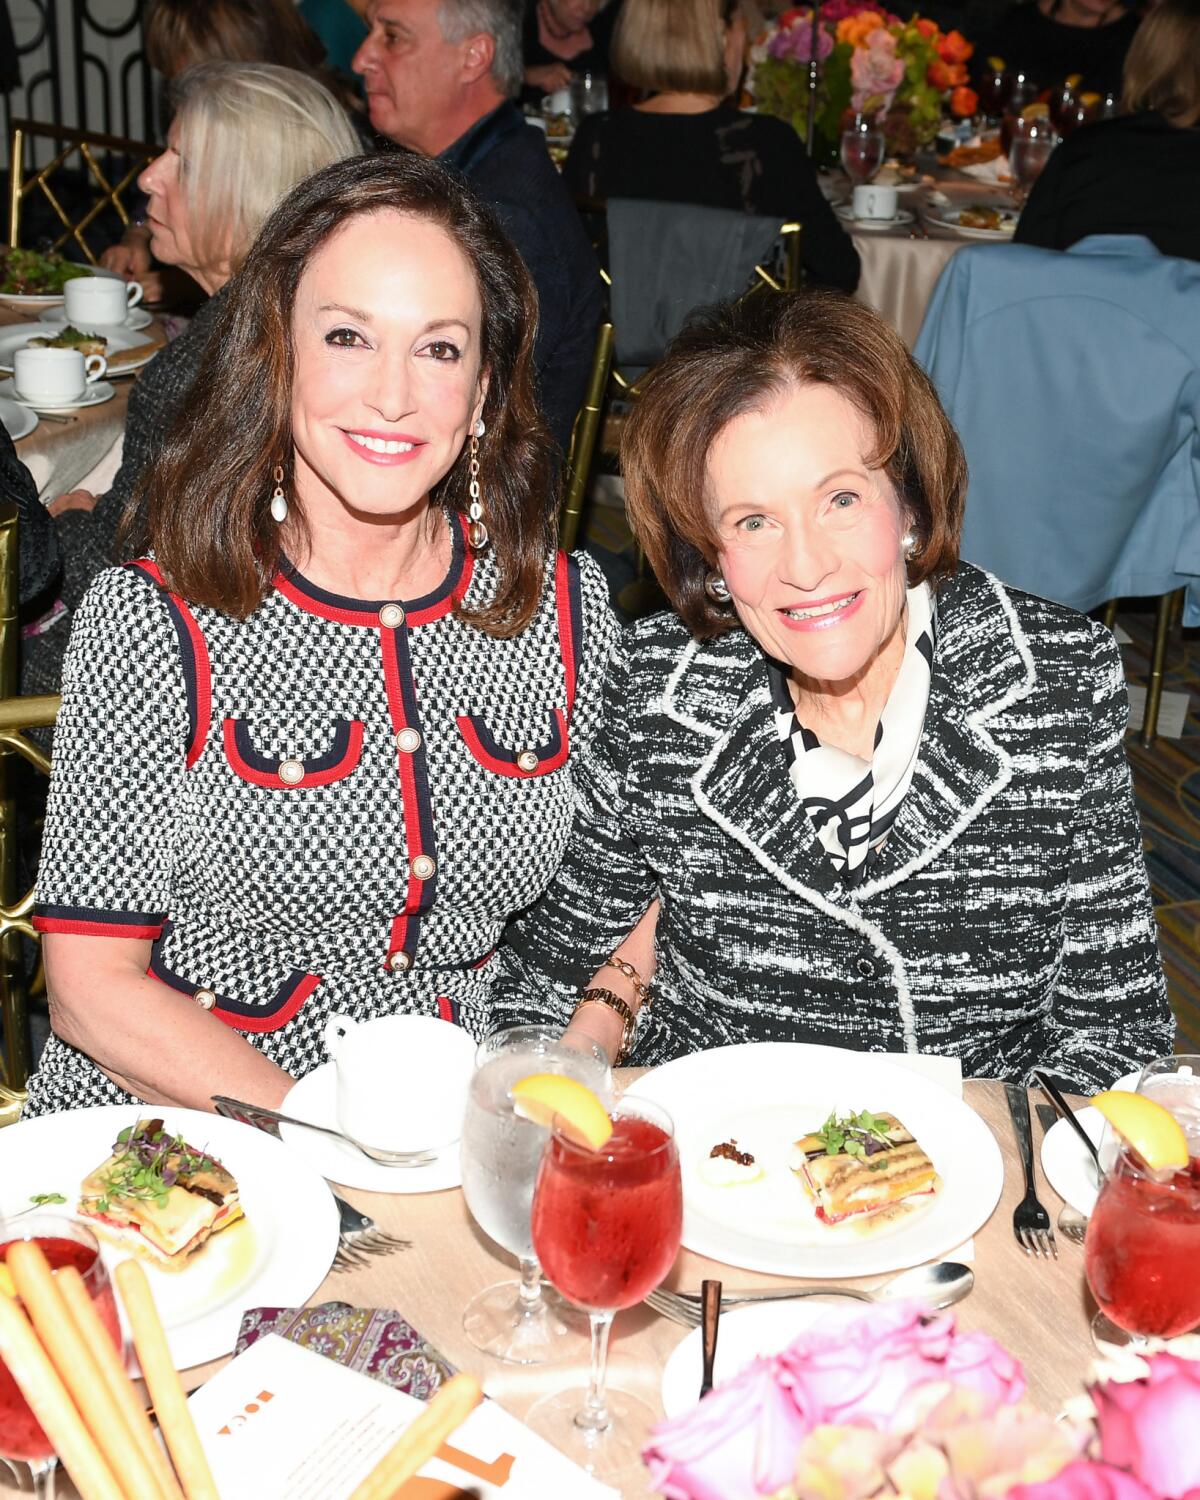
x=1038, y=1309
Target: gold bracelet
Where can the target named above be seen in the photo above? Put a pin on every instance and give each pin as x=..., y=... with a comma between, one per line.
x=596, y=996
x=640, y=988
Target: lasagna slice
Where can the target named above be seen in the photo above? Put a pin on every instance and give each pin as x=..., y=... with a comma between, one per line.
x=159, y=1196
x=864, y=1167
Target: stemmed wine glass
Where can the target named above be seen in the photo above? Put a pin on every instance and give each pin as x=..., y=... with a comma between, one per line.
x=862, y=149
x=606, y=1227
x=500, y=1152
x=64, y=1243
x=1143, y=1238
x=1032, y=142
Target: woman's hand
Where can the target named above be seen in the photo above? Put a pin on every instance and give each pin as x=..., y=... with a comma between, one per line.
x=72, y=500
x=130, y=256
x=596, y=1022
x=549, y=77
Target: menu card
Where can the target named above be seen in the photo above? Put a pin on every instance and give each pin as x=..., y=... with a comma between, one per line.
x=282, y=1423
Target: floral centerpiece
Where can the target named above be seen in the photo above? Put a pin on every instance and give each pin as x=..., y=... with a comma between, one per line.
x=903, y=72
x=899, y=1403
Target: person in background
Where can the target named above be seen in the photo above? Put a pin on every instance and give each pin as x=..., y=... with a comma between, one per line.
x=689, y=143
x=440, y=77
x=38, y=558
x=243, y=135
x=341, y=26
x=855, y=791
x=1051, y=40
x=564, y=37
x=1140, y=172
x=315, y=749
x=181, y=33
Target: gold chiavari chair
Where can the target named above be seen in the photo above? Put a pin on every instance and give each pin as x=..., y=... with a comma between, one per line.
x=583, y=440
x=1167, y=616
x=17, y=714
x=104, y=194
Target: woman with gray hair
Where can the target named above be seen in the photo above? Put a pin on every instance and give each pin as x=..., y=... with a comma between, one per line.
x=243, y=135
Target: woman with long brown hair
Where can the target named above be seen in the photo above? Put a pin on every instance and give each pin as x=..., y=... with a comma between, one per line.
x=313, y=747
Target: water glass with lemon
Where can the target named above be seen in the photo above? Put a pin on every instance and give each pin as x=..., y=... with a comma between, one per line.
x=525, y=1077
x=1143, y=1238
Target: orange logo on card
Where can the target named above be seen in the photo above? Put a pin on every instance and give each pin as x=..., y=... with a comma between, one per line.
x=245, y=1414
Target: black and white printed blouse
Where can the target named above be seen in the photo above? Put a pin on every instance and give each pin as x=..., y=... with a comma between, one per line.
x=1005, y=919
x=333, y=805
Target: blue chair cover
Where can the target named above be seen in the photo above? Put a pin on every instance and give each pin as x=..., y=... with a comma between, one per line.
x=1074, y=382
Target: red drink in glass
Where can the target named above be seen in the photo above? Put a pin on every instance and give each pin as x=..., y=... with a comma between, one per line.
x=20, y=1434
x=606, y=1224
x=1143, y=1247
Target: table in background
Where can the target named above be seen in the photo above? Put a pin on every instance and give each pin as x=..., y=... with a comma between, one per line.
x=59, y=455
x=1037, y=1309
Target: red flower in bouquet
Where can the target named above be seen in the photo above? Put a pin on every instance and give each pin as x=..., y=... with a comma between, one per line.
x=942, y=76
x=954, y=48
x=1150, y=1426
x=926, y=27
x=963, y=103
x=1085, y=1481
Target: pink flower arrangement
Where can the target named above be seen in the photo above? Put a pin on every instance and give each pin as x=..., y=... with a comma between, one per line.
x=875, y=70
x=900, y=1403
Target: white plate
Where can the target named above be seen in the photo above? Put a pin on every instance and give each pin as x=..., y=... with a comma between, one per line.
x=845, y=212
x=746, y=1334
x=315, y=1098
x=22, y=303
x=766, y=1095
x=277, y=1258
x=120, y=341
x=137, y=319
x=947, y=218
x=17, y=420
x=1068, y=1166
x=96, y=395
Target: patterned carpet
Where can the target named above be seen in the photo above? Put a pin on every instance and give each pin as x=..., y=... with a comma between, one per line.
x=1166, y=779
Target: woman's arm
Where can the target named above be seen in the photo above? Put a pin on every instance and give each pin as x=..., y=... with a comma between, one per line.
x=594, y=1021
x=151, y=1041
x=1109, y=1013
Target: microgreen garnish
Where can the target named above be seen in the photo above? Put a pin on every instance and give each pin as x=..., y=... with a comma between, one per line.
x=854, y=1135
x=147, y=1163
x=39, y=1200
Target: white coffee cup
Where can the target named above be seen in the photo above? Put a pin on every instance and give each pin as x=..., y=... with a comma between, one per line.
x=401, y=1080
x=55, y=376
x=92, y=302
x=875, y=200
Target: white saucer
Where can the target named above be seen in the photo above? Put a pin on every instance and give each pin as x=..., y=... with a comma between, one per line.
x=138, y=318
x=315, y=1098
x=744, y=1334
x=1067, y=1164
x=846, y=213
x=17, y=420
x=95, y=395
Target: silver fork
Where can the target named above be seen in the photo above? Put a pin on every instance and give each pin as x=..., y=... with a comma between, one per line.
x=359, y=1237
x=1031, y=1222
x=687, y=1310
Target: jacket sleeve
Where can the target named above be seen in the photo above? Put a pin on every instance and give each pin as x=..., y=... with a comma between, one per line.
x=1038, y=224
x=602, y=887
x=1109, y=1013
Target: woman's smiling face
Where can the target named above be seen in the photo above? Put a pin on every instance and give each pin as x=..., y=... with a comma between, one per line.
x=810, y=537
x=387, y=378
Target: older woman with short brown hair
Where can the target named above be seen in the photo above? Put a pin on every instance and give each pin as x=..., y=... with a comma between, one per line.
x=867, y=795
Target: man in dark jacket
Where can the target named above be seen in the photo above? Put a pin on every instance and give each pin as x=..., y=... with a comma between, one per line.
x=440, y=77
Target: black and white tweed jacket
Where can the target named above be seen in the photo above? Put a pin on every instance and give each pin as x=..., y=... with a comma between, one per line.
x=1006, y=919
x=334, y=805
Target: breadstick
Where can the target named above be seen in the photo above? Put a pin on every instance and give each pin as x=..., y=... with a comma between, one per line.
x=29, y=1365
x=449, y=1408
x=94, y=1335
x=73, y=1359
x=158, y=1369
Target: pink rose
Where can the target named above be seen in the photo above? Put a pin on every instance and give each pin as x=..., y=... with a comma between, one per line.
x=1152, y=1426
x=867, y=1370
x=742, y=1440
x=1085, y=1481
x=875, y=70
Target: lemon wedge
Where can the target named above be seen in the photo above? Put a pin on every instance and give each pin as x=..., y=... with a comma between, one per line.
x=550, y=1099
x=6, y=1281
x=1149, y=1130
x=1074, y=80
x=1036, y=111
x=996, y=64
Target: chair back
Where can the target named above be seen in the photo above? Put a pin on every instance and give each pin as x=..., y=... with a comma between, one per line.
x=16, y=714
x=111, y=166
x=583, y=441
x=1074, y=382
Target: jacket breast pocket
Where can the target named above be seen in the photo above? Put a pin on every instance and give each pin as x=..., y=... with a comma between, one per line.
x=295, y=758
x=521, y=752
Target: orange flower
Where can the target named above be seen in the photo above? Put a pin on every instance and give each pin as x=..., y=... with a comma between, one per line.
x=926, y=27
x=954, y=48
x=856, y=29
x=940, y=76
x=964, y=102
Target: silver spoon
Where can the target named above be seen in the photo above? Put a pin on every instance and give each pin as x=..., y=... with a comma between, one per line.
x=939, y=1285
x=238, y=1108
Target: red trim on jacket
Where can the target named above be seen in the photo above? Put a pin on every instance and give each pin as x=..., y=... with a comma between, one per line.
x=198, y=669
x=241, y=1022
x=272, y=779
x=508, y=765
x=566, y=578
x=77, y=928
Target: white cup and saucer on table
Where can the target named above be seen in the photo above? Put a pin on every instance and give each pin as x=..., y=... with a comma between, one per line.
x=396, y=1083
x=53, y=379
x=97, y=304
